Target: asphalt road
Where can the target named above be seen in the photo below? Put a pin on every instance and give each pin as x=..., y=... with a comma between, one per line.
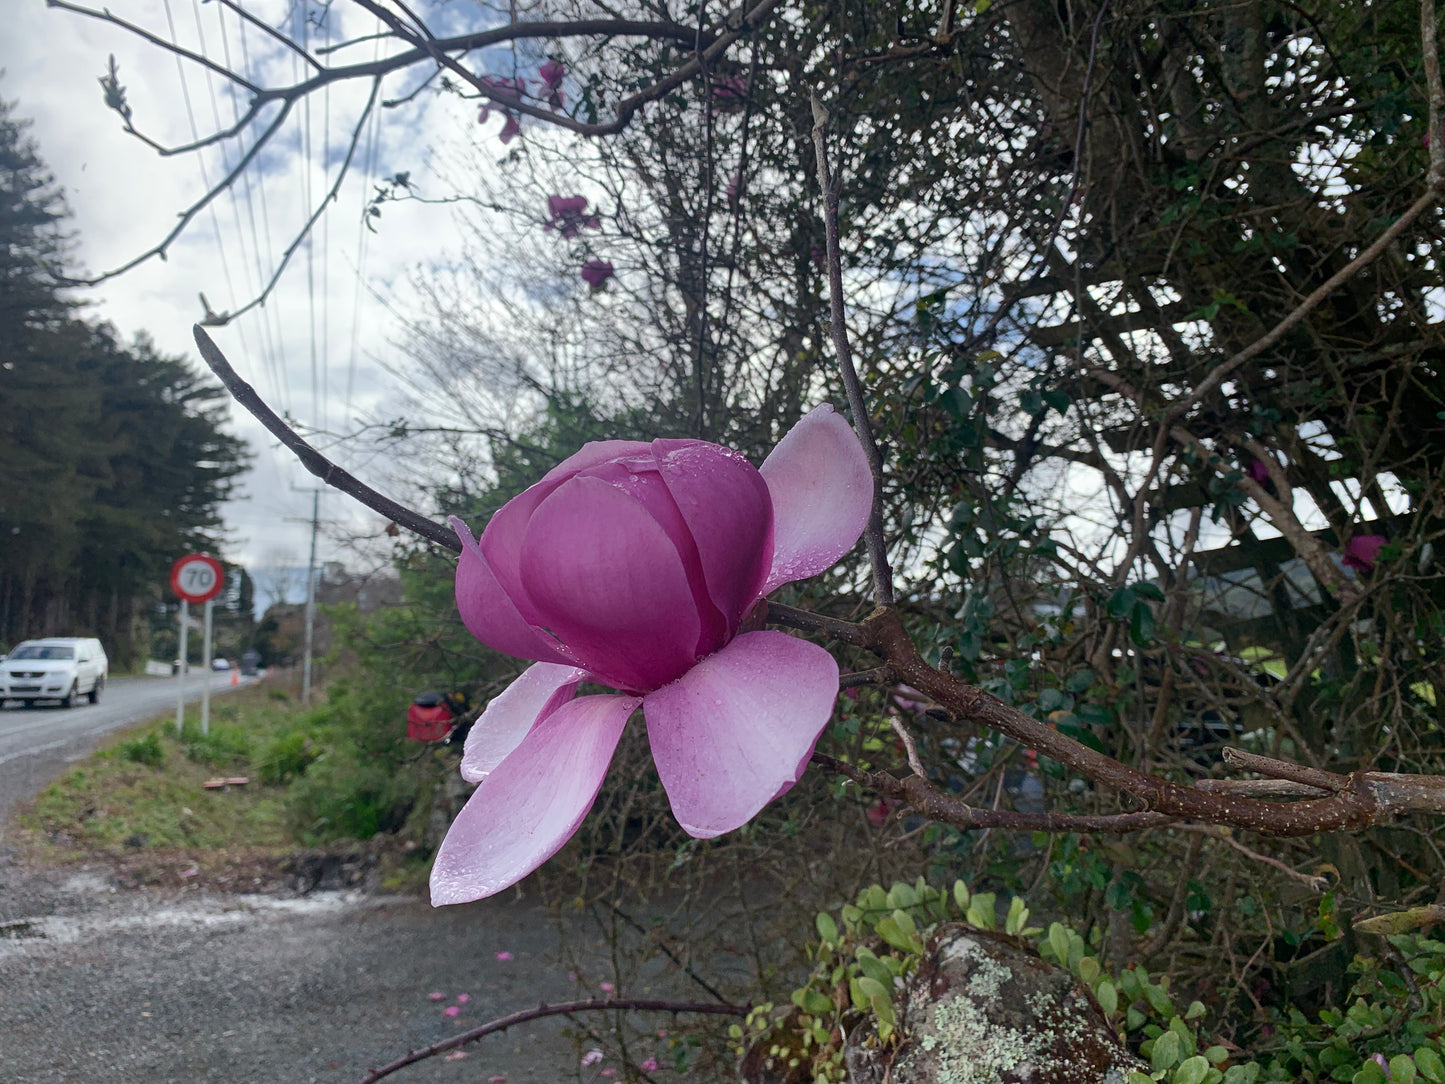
x=100, y=984
x=37, y=744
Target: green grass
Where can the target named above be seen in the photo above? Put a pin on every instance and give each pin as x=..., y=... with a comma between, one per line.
x=317, y=775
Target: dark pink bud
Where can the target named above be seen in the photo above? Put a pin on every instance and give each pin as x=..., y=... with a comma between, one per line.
x=1363, y=550
x=1259, y=471
x=568, y=215
x=596, y=272
x=552, y=73
x=729, y=92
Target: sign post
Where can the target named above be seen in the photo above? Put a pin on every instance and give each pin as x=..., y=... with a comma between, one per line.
x=195, y=578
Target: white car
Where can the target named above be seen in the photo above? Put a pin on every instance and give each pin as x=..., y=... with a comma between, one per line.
x=60, y=668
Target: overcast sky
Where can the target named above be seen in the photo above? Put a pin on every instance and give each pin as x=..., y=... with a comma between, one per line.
x=315, y=350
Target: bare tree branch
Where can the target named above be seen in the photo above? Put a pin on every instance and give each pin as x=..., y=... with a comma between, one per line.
x=542, y=1011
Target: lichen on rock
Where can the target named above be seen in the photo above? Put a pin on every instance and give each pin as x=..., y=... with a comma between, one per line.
x=983, y=1008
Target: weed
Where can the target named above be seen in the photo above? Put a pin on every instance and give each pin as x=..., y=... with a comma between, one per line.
x=147, y=750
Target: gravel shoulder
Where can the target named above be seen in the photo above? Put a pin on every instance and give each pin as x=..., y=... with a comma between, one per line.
x=150, y=986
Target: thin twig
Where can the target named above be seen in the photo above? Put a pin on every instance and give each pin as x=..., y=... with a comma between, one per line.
x=1315, y=882
x=873, y=533
x=313, y=460
x=221, y=319
x=910, y=747
x=194, y=209
x=107, y=16
x=541, y=1011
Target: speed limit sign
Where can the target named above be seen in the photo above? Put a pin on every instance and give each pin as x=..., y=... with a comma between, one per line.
x=197, y=578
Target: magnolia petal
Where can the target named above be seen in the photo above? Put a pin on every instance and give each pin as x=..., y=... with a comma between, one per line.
x=488, y=611
x=611, y=585
x=513, y=713
x=729, y=513
x=503, y=541
x=527, y=808
x=737, y=729
x=822, y=494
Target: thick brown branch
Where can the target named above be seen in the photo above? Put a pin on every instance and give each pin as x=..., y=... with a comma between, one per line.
x=541, y=1011
x=1367, y=798
x=313, y=460
x=923, y=798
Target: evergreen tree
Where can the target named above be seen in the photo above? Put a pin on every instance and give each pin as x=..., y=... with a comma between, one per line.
x=113, y=461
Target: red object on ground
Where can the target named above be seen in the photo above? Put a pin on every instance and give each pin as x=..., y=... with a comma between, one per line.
x=429, y=722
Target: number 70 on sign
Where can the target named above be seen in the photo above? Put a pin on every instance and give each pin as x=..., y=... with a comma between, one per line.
x=197, y=578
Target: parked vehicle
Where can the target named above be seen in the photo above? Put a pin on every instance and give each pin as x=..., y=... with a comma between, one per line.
x=63, y=668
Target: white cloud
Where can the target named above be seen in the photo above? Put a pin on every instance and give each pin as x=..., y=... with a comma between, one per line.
x=313, y=350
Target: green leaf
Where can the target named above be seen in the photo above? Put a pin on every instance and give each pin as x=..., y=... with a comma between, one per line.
x=816, y=1002
x=827, y=928
x=871, y=988
x=1141, y=625
x=1158, y=999
x=1120, y=603
x=1402, y=1069
x=1059, y=942
x=960, y=895
x=1089, y=971
x=1193, y=1071
x=874, y=968
x=1166, y=1051
x=981, y=912
x=1018, y=914
x=1108, y=997
x=1430, y=1065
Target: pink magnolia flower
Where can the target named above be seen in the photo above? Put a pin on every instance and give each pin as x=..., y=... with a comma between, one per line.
x=552, y=74
x=1363, y=550
x=596, y=272
x=504, y=90
x=633, y=565
x=568, y=214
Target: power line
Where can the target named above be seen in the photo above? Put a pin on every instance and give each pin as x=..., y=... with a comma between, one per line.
x=272, y=320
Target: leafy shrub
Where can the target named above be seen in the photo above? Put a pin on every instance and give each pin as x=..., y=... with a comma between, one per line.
x=346, y=796
x=147, y=750
x=225, y=746
x=1387, y=1028
x=285, y=757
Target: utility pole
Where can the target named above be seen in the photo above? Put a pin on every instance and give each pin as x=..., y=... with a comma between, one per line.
x=310, y=598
